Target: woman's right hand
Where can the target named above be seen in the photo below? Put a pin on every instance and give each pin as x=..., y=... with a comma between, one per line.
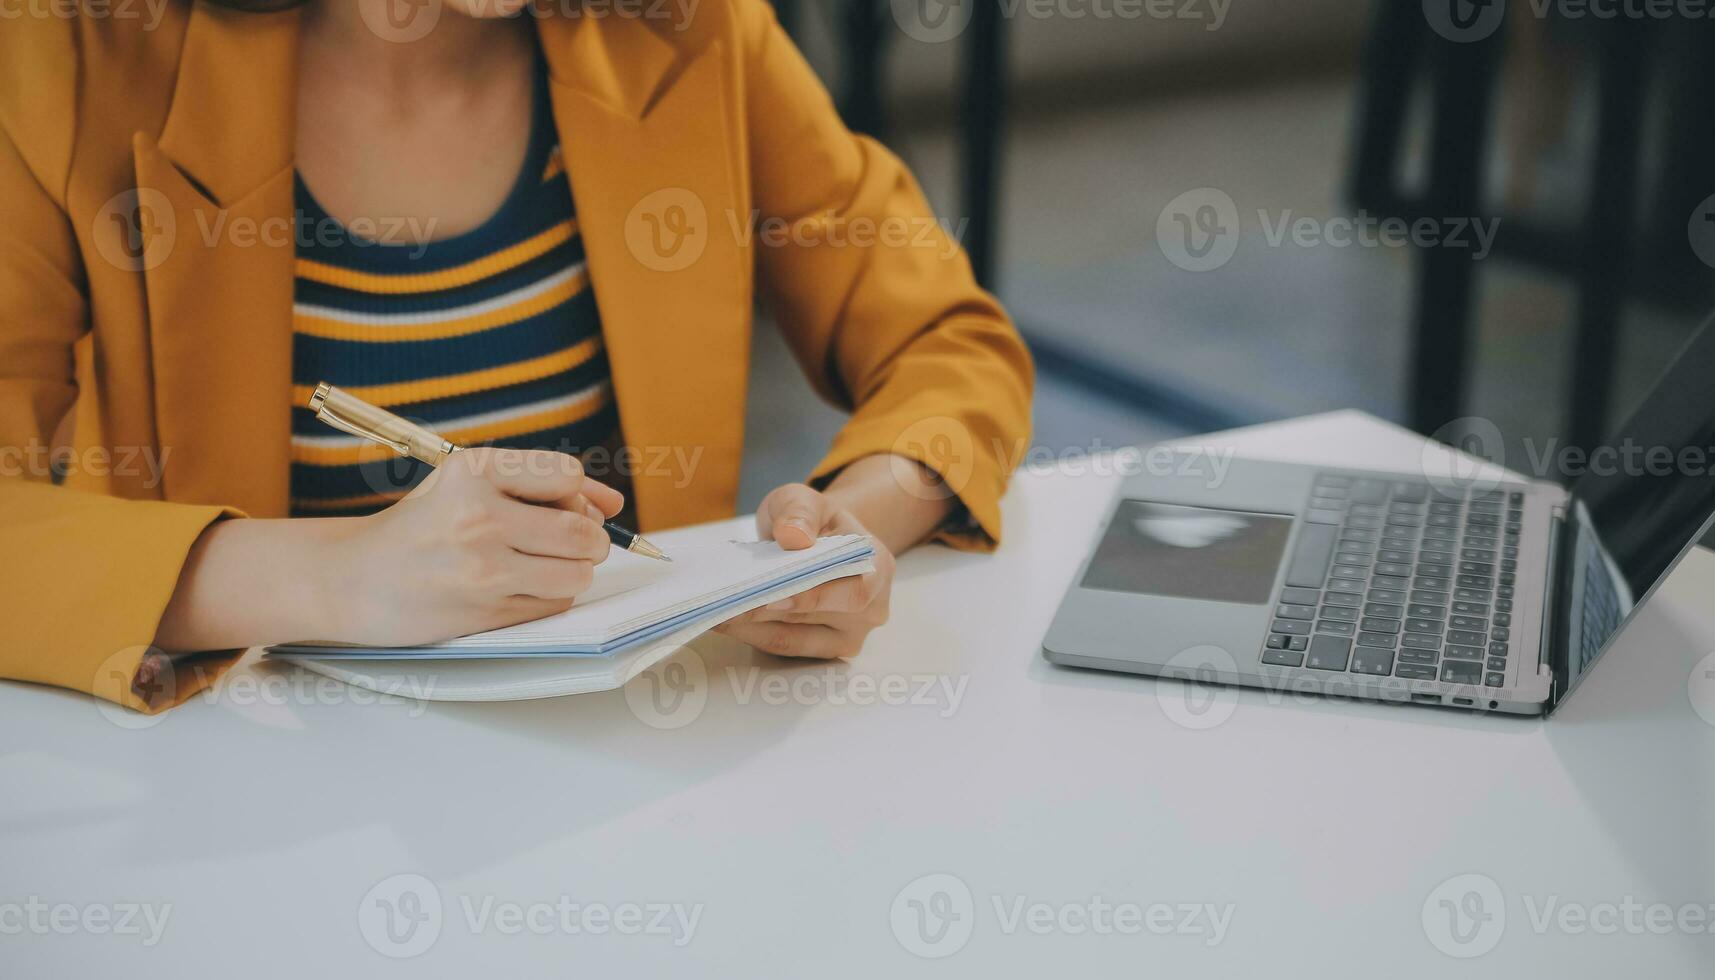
x=493, y=537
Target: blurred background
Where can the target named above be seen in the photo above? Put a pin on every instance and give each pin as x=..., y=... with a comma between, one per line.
x=1208, y=213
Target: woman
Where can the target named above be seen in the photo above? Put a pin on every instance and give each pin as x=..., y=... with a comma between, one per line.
x=207, y=216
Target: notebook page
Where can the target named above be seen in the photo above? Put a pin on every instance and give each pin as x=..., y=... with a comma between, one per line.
x=632, y=592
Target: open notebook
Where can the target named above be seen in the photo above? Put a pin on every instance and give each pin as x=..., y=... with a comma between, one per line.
x=638, y=612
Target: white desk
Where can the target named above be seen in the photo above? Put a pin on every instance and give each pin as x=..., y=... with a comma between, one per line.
x=264, y=818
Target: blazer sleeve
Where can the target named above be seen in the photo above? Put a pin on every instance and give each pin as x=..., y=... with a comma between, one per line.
x=877, y=301
x=86, y=577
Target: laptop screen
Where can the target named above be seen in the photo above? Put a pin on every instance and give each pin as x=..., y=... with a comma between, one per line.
x=1644, y=496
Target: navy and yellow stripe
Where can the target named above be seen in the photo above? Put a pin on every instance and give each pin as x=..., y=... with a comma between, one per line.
x=491, y=337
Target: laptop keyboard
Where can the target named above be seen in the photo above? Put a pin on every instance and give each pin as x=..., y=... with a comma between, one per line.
x=1400, y=579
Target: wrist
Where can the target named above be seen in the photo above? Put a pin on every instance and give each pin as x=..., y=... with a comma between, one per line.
x=898, y=499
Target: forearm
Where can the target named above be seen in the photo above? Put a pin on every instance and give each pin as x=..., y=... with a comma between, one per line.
x=899, y=500
x=254, y=582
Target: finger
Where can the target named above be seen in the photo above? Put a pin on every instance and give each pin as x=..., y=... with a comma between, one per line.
x=551, y=532
x=851, y=594
x=550, y=578
x=792, y=515
x=545, y=477
x=810, y=640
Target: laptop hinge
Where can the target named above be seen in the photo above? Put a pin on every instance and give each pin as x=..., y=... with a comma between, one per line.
x=1553, y=632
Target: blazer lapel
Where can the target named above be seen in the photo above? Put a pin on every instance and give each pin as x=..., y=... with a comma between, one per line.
x=218, y=260
x=643, y=132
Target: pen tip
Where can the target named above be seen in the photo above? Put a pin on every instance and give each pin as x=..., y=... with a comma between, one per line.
x=639, y=546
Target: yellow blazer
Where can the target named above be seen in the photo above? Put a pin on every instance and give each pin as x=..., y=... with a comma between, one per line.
x=146, y=290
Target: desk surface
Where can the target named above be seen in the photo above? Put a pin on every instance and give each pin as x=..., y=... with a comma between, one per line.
x=947, y=803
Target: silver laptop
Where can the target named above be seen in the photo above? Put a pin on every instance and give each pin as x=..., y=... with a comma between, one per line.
x=1435, y=589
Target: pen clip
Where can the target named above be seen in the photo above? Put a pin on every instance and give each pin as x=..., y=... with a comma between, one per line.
x=325, y=412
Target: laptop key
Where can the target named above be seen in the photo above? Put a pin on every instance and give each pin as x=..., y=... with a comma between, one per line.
x=1383, y=610
x=1342, y=599
x=1297, y=596
x=1376, y=624
x=1497, y=663
x=1387, y=595
x=1414, y=672
x=1290, y=611
x=1408, y=655
x=1372, y=660
x=1369, y=492
x=1328, y=652
x=1310, y=556
x=1431, y=626
x=1431, y=598
x=1459, y=623
x=1461, y=672
x=1423, y=610
x=1294, y=626
x=1465, y=638
x=1336, y=627
x=1454, y=652
x=1493, y=679
x=1345, y=614
x=1433, y=583
x=1282, y=658
x=1421, y=641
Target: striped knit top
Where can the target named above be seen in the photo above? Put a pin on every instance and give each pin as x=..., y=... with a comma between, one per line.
x=490, y=337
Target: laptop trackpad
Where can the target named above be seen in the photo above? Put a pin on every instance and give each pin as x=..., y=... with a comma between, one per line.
x=1189, y=552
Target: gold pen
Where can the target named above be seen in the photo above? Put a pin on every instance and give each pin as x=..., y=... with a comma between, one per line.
x=348, y=413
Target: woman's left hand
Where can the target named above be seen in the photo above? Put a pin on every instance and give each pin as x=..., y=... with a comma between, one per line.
x=832, y=619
